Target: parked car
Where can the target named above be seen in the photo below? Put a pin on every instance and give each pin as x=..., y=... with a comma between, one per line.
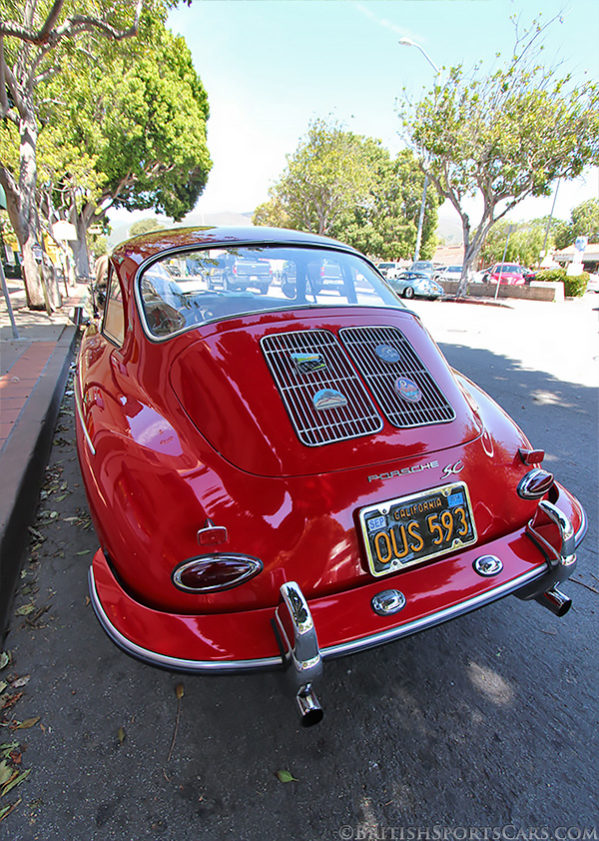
x=416, y=284
x=235, y=275
x=276, y=481
x=451, y=273
x=423, y=266
x=321, y=277
x=593, y=282
x=509, y=273
x=389, y=270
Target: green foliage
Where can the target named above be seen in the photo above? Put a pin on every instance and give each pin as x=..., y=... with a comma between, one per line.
x=132, y=129
x=348, y=187
x=328, y=172
x=525, y=241
x=576, y=286
x=505, y=135
x=551, y=275
x=385, y=223
x=584, y=221
x=145, y=226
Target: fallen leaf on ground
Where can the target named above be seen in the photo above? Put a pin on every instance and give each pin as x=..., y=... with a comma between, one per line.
x=9, y=701
x=121, y=734
x=286, y=777
x=6, y=810
x=7, y=748
x=17, y=781
x=6, y=773
x=4, y=659
x=179, y=691
x=29, y=722
x=25, y=609
x=21, y=681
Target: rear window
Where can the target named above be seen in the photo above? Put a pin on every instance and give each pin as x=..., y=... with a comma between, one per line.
x=190, y=288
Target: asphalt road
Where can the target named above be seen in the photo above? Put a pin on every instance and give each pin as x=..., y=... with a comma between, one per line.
x=486, y=722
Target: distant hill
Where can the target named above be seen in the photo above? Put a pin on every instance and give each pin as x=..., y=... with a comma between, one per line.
x=449, y=227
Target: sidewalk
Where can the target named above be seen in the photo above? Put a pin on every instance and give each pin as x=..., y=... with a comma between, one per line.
x=33, y=374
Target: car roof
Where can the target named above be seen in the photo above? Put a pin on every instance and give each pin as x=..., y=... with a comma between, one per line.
x=143, y=247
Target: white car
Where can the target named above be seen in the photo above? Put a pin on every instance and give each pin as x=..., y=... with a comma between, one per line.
x=593, y=284
x=449, y=273
x=388, y=270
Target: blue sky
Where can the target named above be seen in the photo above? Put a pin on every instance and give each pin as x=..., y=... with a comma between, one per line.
x=270, y=66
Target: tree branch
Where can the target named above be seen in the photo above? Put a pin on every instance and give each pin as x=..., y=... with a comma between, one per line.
x=72, y=26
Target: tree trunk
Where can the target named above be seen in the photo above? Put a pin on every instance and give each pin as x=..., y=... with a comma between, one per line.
x=472, y=247
x=35, y=288
x=82, y=221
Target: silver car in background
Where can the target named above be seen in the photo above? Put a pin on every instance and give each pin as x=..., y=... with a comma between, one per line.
x=410, y=284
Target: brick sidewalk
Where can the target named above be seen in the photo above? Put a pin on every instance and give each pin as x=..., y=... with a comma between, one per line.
x=33, y=372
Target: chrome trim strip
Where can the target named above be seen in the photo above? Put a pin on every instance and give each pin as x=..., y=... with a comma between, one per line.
x=434, y=619
x=243, y=243
x=175, y=663
x=578, y=537
x=340, y=650
x=82, y=421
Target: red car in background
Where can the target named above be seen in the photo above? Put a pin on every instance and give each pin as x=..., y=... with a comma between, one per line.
x=281, y=477
x=510, y=273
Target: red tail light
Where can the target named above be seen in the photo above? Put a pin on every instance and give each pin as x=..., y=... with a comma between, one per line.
x=211, y=573
x=531, y=456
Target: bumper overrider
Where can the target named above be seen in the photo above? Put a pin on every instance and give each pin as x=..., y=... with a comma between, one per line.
x=299, y=634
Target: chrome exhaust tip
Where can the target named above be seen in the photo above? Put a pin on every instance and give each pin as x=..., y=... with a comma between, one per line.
x=555, y=601
x=309, y=708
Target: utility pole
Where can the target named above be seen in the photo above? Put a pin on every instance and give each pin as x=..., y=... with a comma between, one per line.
x=407, y=42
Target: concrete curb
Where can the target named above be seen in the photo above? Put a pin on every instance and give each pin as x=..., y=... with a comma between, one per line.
x=22, y=465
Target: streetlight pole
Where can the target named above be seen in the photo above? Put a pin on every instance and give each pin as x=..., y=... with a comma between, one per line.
x=407, y=42
x=543, y=251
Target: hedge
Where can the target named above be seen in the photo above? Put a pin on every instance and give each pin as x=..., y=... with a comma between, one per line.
x=551, y=275
x=574, y=287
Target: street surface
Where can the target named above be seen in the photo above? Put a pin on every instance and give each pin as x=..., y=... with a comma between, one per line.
x=488, y=721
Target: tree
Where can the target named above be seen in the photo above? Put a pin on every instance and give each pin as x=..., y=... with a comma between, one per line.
x=145, y=226
x=327, y=173
x=36, y=37
x=347, y=186
x=503, y=136
x=385, y=224
x=584, y=221
x=141, y=116
x=525, y=241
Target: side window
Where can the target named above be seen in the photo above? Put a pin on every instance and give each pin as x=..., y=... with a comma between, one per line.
x=114, y=315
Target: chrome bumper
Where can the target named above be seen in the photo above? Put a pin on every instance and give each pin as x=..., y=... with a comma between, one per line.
x=302, y=661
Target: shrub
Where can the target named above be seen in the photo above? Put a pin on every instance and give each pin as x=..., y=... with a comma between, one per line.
x=551, y=275
x=576, y=286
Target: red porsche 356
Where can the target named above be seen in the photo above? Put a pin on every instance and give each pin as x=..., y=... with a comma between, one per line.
x=282, y=468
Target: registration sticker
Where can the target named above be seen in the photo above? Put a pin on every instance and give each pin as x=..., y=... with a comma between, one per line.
x=409, y=530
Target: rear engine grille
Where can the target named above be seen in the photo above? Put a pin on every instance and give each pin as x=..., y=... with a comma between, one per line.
x=316, y=427
x=382, y=374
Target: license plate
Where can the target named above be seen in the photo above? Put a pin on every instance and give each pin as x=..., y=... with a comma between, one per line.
x=408, y=530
